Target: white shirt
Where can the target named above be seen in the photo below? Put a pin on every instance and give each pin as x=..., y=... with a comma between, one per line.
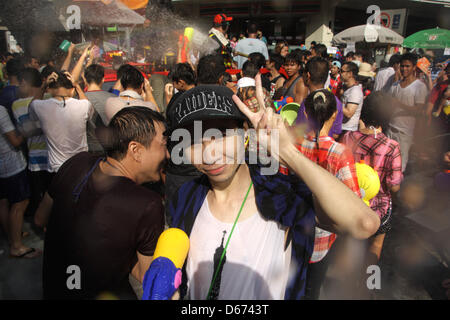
x=414, y=94
x=63, y=126
x=115, y=104
x=382, y=78
x=353, y=95
x=256, y=267
x=247, y=46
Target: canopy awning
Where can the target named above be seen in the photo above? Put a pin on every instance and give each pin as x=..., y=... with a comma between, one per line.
x=104, y=13
x=368, y=33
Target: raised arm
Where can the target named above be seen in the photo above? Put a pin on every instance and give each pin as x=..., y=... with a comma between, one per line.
x=337, y=208
x=68, y=60
x=76, y=72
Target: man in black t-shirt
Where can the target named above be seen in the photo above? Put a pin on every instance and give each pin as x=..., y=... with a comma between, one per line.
x=104, y=225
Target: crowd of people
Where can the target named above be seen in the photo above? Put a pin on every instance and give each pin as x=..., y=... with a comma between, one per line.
x=95, y=166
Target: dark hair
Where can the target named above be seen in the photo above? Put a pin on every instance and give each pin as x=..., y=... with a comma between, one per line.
x=31, y=76
x=321, y=50
x=132, y=78
x=48, y=70
x=183, y=71
x=129, y=124
x=61, y=82
x=367, y=83
x=353, y=68
x=293, y=57
x=258, y=59
x=122, y=69
x=249, y=69
x=377, y=110
x=318, y=109
x=210, y=68
x=279, y=46
x=252, y=28
x=409, y=56
x=350, y=54
x=14, y=67
x=277, y=59
x=317, y=67
x=95, y=73
x=394, y=59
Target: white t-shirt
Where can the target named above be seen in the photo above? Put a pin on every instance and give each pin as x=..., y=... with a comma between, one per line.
x=256, y=267
x=353, y=95
x=115, y=104
x=414, y=94
x=247, y=46
x=382, y=78
x=63, y=126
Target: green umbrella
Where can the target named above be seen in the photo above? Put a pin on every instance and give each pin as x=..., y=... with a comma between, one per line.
x=429, y=39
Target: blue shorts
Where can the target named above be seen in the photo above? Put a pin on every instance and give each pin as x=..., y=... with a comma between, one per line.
x=15, y=188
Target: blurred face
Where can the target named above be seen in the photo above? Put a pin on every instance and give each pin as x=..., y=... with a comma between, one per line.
x=34, y=64
x=346, y=74
x=406, y=68
x=24, y=89
x=220, y=156
x=153, y=157
x=334, y=70
x=284, y=51
x=179, y=85
x=292, y=68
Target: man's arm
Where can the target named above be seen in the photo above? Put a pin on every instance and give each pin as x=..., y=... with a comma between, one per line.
x=14, y=138
x=349, y=110
x=68, y=60
x=337, y=208
x=141, y=266
x=301, y=92
x=76, y=72
x=43, y=212
x=148, y=95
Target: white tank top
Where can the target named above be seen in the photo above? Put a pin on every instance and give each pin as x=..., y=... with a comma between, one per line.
x=256, y=268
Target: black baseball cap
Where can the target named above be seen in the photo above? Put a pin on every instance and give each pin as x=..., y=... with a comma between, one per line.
x=204, y=102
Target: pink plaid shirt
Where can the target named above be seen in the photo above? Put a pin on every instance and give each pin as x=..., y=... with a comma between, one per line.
x=338, y=160
x=382, y=154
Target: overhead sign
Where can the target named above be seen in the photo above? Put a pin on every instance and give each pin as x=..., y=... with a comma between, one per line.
x=394, y=20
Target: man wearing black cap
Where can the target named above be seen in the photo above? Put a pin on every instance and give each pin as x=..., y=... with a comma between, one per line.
x=247, y=226
x=218, y=32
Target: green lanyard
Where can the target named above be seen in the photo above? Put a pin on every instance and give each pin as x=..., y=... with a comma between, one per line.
x=228, y=241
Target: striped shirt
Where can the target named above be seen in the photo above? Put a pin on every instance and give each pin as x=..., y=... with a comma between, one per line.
x=338, y=160
x=37, y=145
